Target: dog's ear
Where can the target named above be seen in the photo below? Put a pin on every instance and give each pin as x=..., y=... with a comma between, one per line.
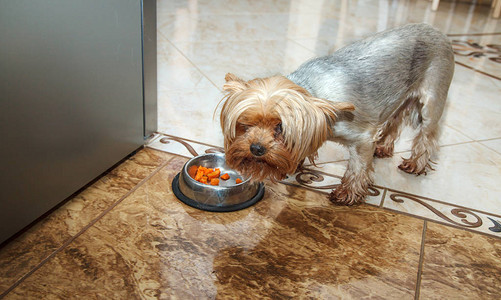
x=232, y=77
x=343, y=106
x=233, y=84
x=332, y=108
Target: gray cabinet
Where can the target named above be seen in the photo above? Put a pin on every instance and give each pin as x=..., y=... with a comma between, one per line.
x=73, y=100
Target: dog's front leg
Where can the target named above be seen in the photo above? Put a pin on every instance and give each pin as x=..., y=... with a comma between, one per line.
x=357, y=179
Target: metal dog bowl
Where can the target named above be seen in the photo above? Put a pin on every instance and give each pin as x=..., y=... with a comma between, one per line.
x=227, y=196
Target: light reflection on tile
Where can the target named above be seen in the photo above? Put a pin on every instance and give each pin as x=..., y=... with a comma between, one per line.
x=246, y=59
x=174, y=71
x=189, y=113
x=227, y=28
x=153, y=245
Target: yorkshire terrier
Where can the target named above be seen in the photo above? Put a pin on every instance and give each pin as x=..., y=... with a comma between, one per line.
x=357, y=96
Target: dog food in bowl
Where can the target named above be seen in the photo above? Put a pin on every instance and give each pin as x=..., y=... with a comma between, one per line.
x=209, y=175
x=206, y=182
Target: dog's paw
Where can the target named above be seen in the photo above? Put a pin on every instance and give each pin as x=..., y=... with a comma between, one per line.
x=342, y=196
x=410, y=166
x=383, y=152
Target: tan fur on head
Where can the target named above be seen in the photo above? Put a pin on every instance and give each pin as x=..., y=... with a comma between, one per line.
x=252, y=113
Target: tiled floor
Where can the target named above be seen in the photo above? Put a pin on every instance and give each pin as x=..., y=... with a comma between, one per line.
x=428, y=237
x=201, y=41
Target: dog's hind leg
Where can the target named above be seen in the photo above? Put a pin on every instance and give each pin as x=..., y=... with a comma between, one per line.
x=386, y=143
x=425, y=117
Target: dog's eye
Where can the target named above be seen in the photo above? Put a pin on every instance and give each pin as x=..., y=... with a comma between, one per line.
x=278, y=129
x=242, y=127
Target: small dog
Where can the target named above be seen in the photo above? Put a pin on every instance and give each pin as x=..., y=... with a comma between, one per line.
x=358, y=96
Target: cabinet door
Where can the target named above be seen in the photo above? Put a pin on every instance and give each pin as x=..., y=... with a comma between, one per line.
x=71, y=101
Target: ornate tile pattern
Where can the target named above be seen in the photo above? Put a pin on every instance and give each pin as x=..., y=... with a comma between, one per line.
x=326, y=177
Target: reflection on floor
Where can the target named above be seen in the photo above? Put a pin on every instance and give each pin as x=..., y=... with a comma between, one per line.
x=436, y=236
x=123, y=242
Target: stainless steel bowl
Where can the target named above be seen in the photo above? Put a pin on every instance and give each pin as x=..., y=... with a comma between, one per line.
x=227, y=196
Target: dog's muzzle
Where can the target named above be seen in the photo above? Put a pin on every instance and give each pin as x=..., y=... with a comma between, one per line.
x=257, y=149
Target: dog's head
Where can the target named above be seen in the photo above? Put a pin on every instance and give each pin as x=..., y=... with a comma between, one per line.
x=270, y=125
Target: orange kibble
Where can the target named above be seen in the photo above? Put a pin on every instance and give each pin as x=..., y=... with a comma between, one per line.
x=214, y=174
x=199, y=174
x=209, y=176
x=192, y=171
x=208, y=171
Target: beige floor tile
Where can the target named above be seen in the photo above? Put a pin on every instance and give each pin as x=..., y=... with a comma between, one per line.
x=190, y=114
x=246, y=59
x=473, y=107
x=493, y=144
x=175, y=71
x=465, y=174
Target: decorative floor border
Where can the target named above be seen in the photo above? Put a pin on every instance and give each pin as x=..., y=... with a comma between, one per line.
x=467, y=50
x=387, y=198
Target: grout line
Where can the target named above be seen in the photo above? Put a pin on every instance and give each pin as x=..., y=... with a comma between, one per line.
x=477, y=70
x=473, y=34
x=302, y=46
x=473, y=141
x=421, y=259
x=189, y=60
x=381, y=204
x=70, y=240
x=489, y=139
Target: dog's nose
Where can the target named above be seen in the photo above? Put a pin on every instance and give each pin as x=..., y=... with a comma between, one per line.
x=257, y=149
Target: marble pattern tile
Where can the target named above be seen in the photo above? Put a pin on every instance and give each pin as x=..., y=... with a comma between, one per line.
x=227, y=7
x=473, y=107
x=334, y=152
x=246, y=59
x=175, y=71
x=293, y=243
x=466, y=175
x=460, y=265
x=493, y=144
x=227, y=28
x=29, y=249
x=200, y=124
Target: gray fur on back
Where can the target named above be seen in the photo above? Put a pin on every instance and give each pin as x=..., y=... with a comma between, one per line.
x=376, y=74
